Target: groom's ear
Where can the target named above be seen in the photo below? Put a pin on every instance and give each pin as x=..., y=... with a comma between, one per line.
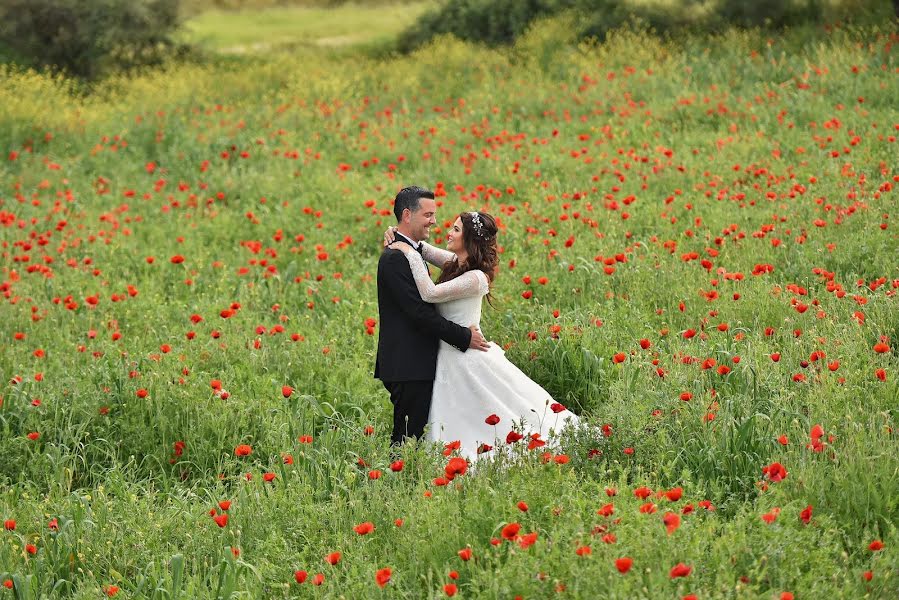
x=406, y=216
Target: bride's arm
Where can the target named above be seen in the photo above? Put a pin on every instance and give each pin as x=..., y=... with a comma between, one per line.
x=436, y=256
x=468, y=284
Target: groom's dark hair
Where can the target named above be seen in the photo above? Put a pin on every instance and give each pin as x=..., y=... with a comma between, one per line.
x=409, y=198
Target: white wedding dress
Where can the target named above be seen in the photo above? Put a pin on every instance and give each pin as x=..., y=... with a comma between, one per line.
x=471, y=386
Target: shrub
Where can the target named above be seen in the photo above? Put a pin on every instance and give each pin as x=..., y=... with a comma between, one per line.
x=497, y=22
x=491, y=21
x=88, y=37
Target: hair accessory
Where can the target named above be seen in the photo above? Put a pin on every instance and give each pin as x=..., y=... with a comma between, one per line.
x=478, y=224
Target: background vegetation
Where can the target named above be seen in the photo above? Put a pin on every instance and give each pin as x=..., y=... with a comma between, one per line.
x=502, y=21
x=93, y=38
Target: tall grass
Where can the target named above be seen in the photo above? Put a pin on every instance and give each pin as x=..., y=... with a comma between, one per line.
x=717, y=143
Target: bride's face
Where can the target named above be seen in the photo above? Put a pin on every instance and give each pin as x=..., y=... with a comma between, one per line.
x=454, y=238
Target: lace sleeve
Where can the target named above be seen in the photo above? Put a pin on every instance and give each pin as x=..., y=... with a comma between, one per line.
x=468, y=284
x=436, y=256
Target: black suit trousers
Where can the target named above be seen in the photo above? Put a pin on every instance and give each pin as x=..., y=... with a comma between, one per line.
x=411, y=406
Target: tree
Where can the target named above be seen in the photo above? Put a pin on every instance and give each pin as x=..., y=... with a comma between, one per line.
x=88, y=37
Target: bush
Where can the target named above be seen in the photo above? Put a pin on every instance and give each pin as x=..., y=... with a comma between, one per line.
x=491, y=21
x=497, y=22
x=88, y=37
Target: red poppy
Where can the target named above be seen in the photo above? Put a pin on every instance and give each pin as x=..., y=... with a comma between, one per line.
x=492, y=420
x=642, y=492
x=679, y=570
x=483, y=448
x=875, y=546
x=364, y=528
x=775, y=472
x=623, y=564
x=671, y=521
x=450, y=447
x=510, y=531
x=806, y=514
x=674, y=494
x=535, y=442
x=382, y=576
x=300, y=576
x=455, y=466
x=243, y=450
x=770, y=516
x=513, y=436
x=527, y=540
x=648, y=508
x=333, y=558
x=450, y=589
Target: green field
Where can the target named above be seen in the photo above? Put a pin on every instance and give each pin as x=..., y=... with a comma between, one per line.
x=699, y=256
x=258, y=32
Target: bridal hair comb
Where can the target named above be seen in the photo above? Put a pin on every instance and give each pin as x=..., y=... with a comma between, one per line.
x=477, y=224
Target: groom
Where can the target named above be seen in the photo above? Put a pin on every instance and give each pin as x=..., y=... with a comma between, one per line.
x=411, y=329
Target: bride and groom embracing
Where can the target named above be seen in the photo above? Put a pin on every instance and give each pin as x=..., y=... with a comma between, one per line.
x=432, y=357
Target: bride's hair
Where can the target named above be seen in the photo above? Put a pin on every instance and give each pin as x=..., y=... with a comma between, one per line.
x=479, y=237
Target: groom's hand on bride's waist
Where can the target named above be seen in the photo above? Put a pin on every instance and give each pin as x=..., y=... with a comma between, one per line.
x=477, y=340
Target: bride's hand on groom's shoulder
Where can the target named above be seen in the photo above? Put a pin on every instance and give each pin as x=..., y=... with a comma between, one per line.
x=389, y=236
x=401, y=246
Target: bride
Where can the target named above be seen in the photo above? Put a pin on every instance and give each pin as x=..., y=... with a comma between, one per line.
x=480, y=399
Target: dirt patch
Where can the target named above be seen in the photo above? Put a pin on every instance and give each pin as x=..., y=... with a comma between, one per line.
x=337, y=40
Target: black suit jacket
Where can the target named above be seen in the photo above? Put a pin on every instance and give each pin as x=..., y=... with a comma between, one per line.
x=410, y=328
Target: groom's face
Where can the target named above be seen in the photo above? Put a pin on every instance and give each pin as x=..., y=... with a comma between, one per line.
x=421, y=220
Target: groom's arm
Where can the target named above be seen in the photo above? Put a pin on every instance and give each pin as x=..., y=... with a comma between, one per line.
x=398, y=276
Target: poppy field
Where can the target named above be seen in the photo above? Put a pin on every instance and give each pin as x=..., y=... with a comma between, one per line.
x=699, y=256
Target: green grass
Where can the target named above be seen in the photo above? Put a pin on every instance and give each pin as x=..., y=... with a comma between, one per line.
x=272, y=177
x=259, y=32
